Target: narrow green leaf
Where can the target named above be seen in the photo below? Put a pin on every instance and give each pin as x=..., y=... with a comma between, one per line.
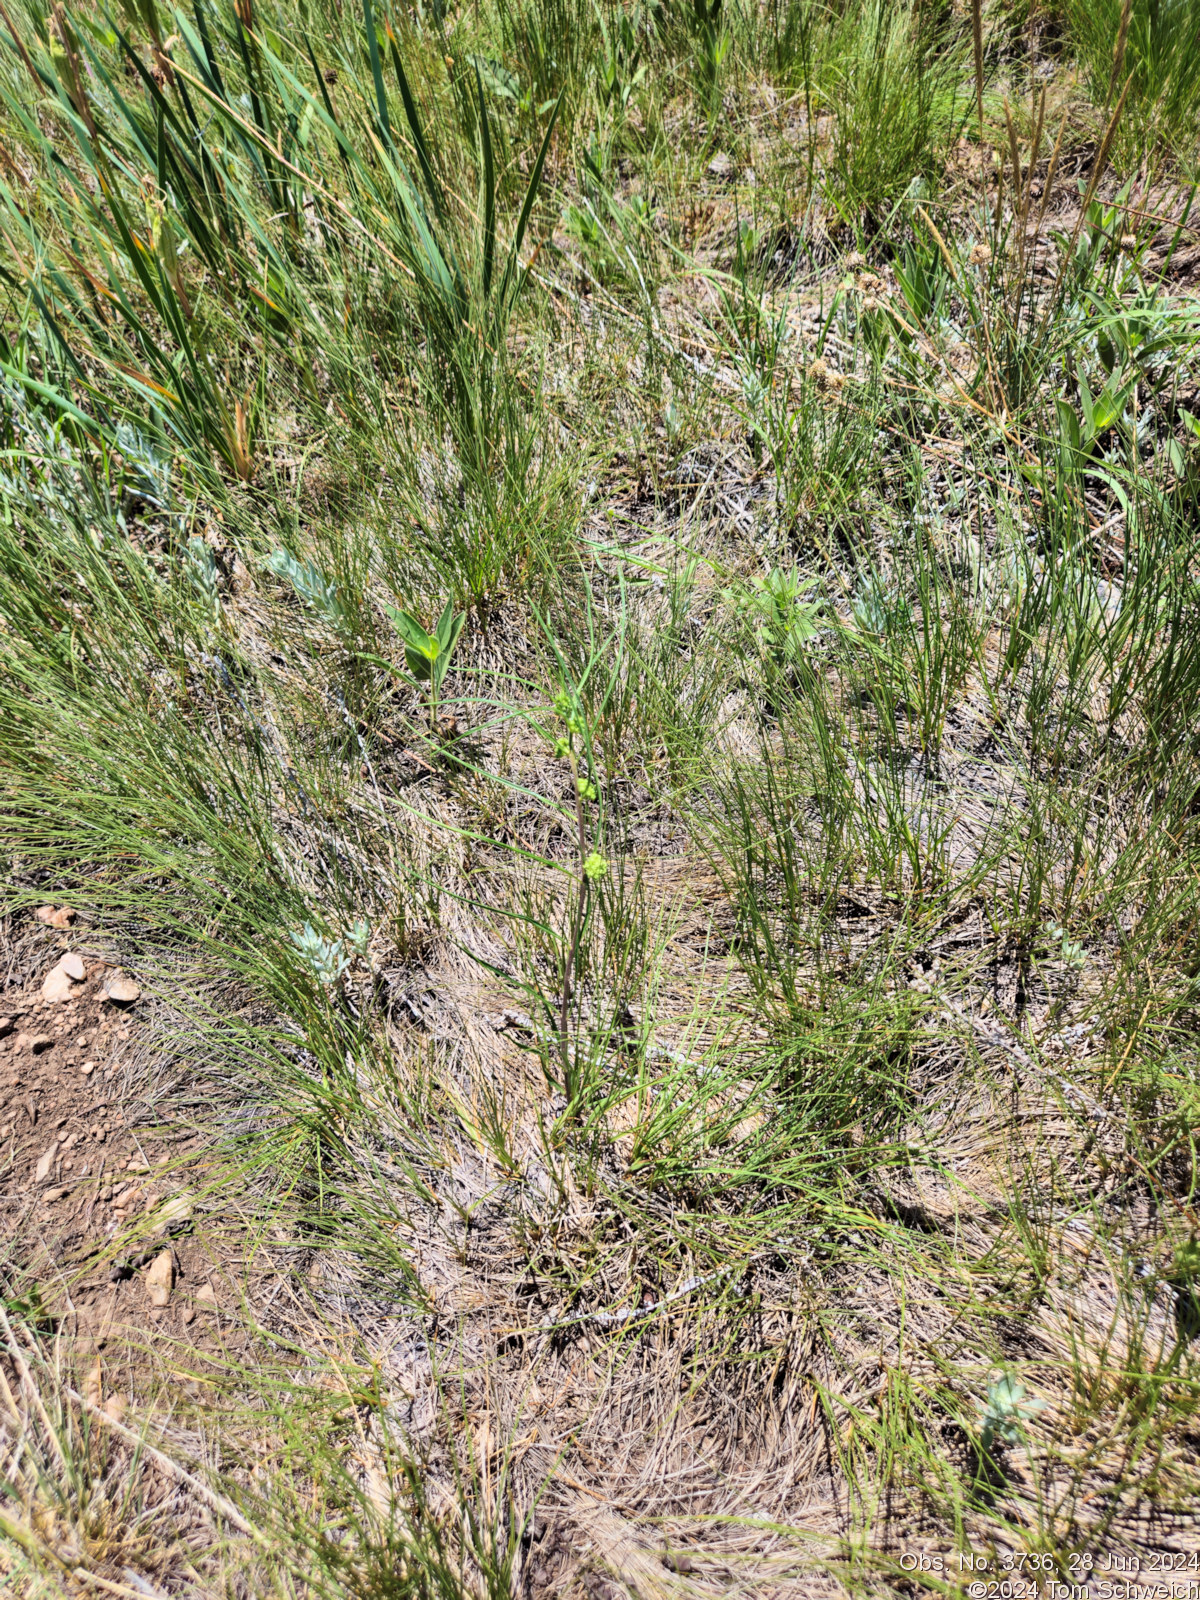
x=214, y=70
x=418, y=134
x=489, y=188
x=1089, y=410
x=377, y=70
x=512, y=275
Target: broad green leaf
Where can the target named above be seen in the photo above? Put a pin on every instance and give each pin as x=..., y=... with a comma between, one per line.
x=1106, y=409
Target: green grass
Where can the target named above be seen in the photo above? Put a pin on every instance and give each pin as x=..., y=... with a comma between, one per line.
x=692, y=1058
x=1149, y=47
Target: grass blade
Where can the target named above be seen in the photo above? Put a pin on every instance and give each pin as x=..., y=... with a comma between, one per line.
x=489, y=188
x=377, y=71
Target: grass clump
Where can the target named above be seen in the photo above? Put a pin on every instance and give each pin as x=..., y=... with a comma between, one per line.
x=1147, y=48
x=601, y=604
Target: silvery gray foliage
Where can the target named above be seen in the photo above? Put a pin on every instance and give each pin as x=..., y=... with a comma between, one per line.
x=150, y=472
x=324, y=957
x=43, y=472
x=1006, y=1411
x=202, y=573
x=1067, y=949
x=313, y=587
x=878, y=610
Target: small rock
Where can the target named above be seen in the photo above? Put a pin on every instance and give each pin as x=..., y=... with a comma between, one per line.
x=137, y=1164
x=40, y=1042
x=72, y=965
x=120, y=988
x=57, y=985
x=46, y=1165
x=128, y=1197
x=206, y=1297
x=7, y=1025
x=721, y=165
x=160, y=1279
x=55, y=916
x=88, y=1068
x=188, y=1317
x=178, y=1208
x=21, y=1042
x=114, y=1407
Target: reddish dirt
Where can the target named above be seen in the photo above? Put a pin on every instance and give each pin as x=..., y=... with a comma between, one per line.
x=93, y=1181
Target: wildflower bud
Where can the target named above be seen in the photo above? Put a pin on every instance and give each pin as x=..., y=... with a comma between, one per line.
x=569, y=710
x=824, y=377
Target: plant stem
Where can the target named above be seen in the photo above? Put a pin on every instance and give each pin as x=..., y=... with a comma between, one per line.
x=576, y=930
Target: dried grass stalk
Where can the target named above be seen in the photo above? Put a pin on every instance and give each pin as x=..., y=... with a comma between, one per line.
x=1119, y=51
